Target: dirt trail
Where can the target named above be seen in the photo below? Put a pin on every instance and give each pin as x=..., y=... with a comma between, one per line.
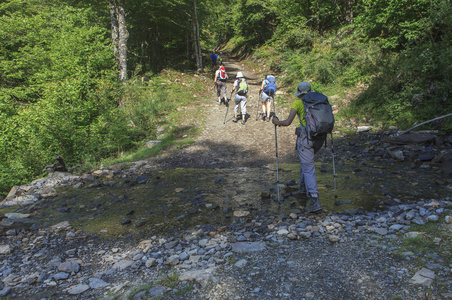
x=223, y=143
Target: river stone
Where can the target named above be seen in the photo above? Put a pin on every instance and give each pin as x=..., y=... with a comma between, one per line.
x=241, y=263
x=363, y=128
x=200, y=276
x=397, y=155
x=69, y=267
x=334, y=238
x=60, y=226
x=157, y=291
x=5, y=249
x=433, y=218
x=172, y=260
x=247, y=247
x=122, y=264
x=97, y=283
x=382, y=231
x=78, y=289
x=448, y=219
x=5, y=291
x=17, y=216
x=305, y=234
x=423, y=277
x=151, y=262
x=413, y=234
x=61, y=276
x=241, y=213
x=396, y=227
x=21, y=200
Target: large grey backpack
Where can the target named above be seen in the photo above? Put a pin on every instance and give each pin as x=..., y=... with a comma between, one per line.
x=318, y=114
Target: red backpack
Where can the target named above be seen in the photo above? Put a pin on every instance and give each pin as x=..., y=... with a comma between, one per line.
x=222, y=75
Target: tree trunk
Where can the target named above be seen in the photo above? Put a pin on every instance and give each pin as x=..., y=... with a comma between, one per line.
x=114, y=29
x=349, y=11
x=119, y=35
x=123, y=37
x=196, y=39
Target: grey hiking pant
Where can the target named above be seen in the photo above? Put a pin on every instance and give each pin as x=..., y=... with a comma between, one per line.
x=240, y=100
x=221, y=87
x=305, y=150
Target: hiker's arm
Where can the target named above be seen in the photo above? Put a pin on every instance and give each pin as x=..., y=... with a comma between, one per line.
x=287, y=121
x=262, y=87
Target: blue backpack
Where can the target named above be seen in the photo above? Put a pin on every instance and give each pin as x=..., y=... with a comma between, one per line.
x=270, y=85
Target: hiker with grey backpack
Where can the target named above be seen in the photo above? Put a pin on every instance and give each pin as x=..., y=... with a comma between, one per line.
x=241, y=88
x=316, y=121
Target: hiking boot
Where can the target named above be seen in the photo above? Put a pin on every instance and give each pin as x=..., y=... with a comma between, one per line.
x=243, y=121
x=314, y=206
x=268, y=119
x=234, y=119
x=219, y=102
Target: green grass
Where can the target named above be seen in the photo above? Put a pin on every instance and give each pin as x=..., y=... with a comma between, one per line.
x=171, y=279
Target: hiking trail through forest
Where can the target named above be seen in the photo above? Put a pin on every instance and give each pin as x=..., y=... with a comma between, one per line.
x=203, y=222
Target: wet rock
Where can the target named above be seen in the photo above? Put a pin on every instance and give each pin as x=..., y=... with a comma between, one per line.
x=126, y=221
x=413, y=138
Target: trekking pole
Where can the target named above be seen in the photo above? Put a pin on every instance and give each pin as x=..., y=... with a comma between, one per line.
x=274, y=105
x=334, y=167
x=277, y=168
x=258, y=100
x=227, y=109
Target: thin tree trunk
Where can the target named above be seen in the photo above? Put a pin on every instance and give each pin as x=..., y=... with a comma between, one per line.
x=349, y=11
x=119, y=35
x=114, y=29
x=123, y=37
x=197, y=42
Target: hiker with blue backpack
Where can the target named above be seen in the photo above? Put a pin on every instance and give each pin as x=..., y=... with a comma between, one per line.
x=220, y=82
x=316, y=120
x=267, y=91
x=241, y=86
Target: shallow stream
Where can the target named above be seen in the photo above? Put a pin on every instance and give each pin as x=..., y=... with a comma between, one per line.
x=181, y=198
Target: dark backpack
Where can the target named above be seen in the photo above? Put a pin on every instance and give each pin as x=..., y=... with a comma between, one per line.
x=270, y=85
x=243, y=87
x=318, y=115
